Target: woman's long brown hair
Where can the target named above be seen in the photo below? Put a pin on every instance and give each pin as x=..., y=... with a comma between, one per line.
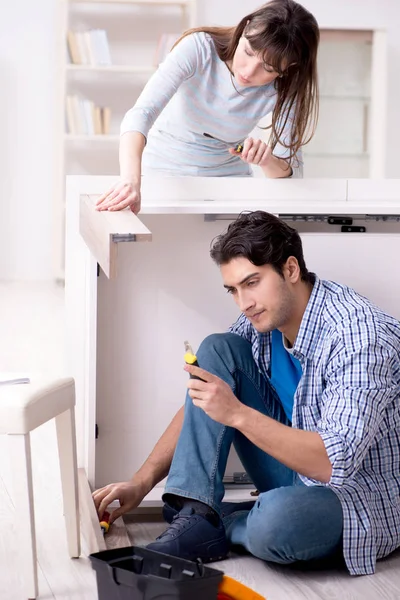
x=286, y=36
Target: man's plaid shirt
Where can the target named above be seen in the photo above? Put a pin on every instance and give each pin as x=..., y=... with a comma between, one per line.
x=350, y=394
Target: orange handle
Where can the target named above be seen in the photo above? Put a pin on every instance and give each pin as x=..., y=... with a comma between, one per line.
x=230, y=589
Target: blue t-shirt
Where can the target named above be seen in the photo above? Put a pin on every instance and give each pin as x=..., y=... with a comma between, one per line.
x=286, y=372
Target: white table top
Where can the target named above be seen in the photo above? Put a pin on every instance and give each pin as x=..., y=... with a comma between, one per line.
x=232, y=195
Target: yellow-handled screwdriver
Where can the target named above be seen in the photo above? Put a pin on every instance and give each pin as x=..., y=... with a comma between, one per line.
x=238, y=148
x=191, y=359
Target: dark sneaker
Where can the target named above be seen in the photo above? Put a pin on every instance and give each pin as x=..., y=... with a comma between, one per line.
x=227, y=508
x=192, y=536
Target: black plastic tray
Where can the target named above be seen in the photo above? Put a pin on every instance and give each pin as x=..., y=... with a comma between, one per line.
x=135, y=573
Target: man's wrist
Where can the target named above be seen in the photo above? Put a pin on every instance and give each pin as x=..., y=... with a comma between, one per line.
x=144, y=481
x=241, y=417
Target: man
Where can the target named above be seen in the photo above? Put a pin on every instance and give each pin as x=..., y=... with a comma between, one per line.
x=306, y=385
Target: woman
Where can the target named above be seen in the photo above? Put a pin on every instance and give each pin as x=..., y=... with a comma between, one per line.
x=221, y=81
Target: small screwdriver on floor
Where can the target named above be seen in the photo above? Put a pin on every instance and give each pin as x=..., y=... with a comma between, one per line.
x=105, y=522
x=238, y=148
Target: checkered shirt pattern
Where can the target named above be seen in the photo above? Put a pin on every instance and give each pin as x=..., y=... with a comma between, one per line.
x=349, y=393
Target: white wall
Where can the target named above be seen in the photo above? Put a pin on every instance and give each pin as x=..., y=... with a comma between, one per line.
x=28, y=92
x=27, y=76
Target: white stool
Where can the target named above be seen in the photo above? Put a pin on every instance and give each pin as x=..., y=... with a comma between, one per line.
x=23, y=407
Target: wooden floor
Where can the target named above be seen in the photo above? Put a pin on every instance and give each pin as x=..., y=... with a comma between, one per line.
x=283, y=583
x=31, y=337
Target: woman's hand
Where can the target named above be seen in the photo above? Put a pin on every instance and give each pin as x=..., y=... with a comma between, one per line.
x=121, y=195
x=255, y=152
x=129, y=493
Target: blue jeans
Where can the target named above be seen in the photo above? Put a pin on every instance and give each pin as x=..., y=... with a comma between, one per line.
x=290, y=521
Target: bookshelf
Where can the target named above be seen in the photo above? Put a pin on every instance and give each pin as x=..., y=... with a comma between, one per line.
x=133, y=31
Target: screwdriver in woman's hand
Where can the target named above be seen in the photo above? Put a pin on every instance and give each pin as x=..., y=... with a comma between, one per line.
x=238, y=148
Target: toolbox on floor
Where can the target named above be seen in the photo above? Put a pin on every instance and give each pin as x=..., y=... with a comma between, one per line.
x=135, y=573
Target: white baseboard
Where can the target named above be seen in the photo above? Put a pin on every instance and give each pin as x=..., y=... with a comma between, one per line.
x=234, y=493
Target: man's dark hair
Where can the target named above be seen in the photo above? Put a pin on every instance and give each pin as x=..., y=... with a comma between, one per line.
x=263, y=239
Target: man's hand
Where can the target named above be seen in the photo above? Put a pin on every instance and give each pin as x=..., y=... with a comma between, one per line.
x=214, y=396
x=129, y=493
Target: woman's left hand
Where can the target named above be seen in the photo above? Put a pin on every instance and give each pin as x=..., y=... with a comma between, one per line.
x=255, y=152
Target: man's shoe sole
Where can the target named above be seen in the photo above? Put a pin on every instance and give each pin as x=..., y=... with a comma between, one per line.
x=210, y=560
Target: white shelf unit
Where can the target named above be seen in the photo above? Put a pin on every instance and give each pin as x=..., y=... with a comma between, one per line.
x=133, y=30
x=351, y=132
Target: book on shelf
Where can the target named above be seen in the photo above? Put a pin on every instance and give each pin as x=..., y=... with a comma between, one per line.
x=85, y=118
x=164, y=46
x=105, y=119
x=89, y=47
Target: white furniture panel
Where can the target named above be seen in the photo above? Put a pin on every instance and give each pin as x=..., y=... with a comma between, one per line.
x=168, y=291
x=345, y=64
x=342, y=128
x=350, y=137
x=379, y=191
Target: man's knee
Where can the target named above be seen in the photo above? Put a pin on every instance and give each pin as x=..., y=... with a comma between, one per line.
x=268, y=528
x=294, y=523
x=221, y=343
